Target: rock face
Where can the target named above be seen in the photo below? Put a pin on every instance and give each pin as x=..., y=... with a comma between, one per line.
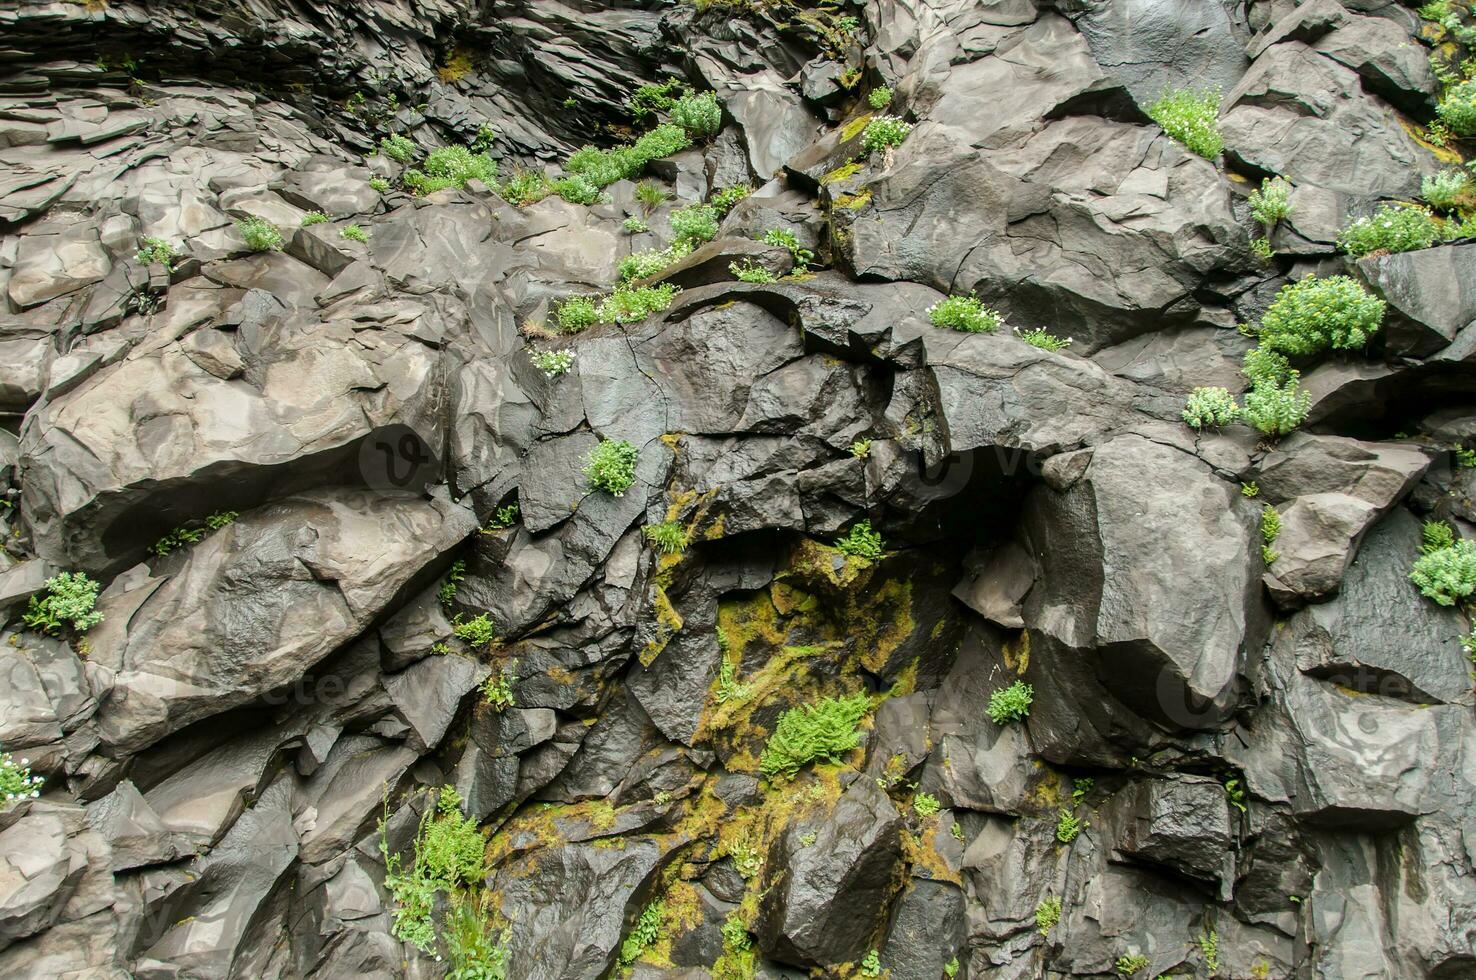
x=884, y=649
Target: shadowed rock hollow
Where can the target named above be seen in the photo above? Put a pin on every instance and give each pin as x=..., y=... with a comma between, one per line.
x=296, y=365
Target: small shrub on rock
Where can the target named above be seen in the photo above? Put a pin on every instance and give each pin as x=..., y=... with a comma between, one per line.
x=526, y=187
x=471, y=951
x=647, y=930
x=1446, y=568
x=699, y=116
x=1264, y=366
x=725, y=199
x=1312, y=315
x=626, y=305
x=1068, y=826
x=155, y=250
x=695, y=224
x=1272, y=202
x=1277, y=409
x=1191, y=118
x=579, y=313
x=353, y=233
x=553, y=363
x=379, y=184
x=400, y=149
x=648, y=100
x=750, y=271
x=448, y=854
x=577, y=189
x=1011, y=703
x=1213, y=407
x=611, y=466
x=1131, y=965
x=67, y=602
x=260, y=234
x=926, y=805
x=652, y=261
x=315, y=218
x=964, y=313
x=1270, y=531
x=651, y=195
x=1047, y=914
x=1039, y=337
x=668, y=537
x=1394, y=228
x=861, y=542
x=497, y=689
x=16, y=781
x=662, y=141
x=475, y=632
x=824, y=730
x=1458, y=108
x=636, y=226
x=451, y=166
x=884, y=132
x=1447, y=190
x=880, y=98
x=784, y=238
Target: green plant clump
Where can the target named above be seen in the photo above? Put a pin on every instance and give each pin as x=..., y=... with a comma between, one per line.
x=497, y=689
x=16, y=781
x=450, y=166
x=1068, y=826
x=647, y=930
x=448, y=854
x=1209, y=946
x=1191, y=118
x=611, y=466
x=784, y=238
x=1039, y=337
x=553, y=363
x=1458, y=108
x=668, y=537
x=880, y=98
x=926, y=805
x=314, y=218
x=1130, y=965
x=476, y=632
x=1272, y=202
x=1263, y=367
x=1276, y=410
x=1047, y=914
x=964, y=313
x=353, y=233
x=1393, y=228
x=260, y=234
x=192, y=532
x=470, y=948
x=577, y=189
x=825, y=730
x=648, y=100
x=652, y=261
x=576, y=314
x=1212, y=407
x=699, y=116
x=636, y=226
x=861, y=542
x=67, y=602
x=628, y=305
x=750, y=271
x=870, y=965
x=1270, y=531
x=695, y=224
x=1447, y=190
x=398, y=148
x=454, y=576
x=1446, y=568
x=884, y=132
x=725, y=199
x=1011, y=703
x=1312, y=315
x=526, y=187
x=152, y=250
x=379, y=184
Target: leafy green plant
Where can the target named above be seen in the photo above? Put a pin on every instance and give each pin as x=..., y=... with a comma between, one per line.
x=1047, y=914
x=1312, y=315
x=576, y=314
x=1235, y=793
x=650, y=195
x=577, y=189
x=379, y=184
x=67, y=602
x=1190, y=118
x=1447, y=190
x=1458, y=108
x=652, y=261
x=1270, y=531
x=192, y=532
x=1011, y=703
x=497, y=689
x=16, y=781
x=260, y=234
x=699, y=115
x=750, y=271
x=668, y=537
x=153, y=250
x=861, y=542
x=737, y=960
x=450, y=166
x=475, y=632
x=1272, y=202
x=1080, y=788
x=472, y=952
x=884, y=132
x=1393, y=228
x=1209, y=946
x=728, y=686
x=553, y=363
x=1261, y=249
x=1277, y=409
x=784, y=238
x=454, y=577
x=1262, y=366
x=861, y=448
x=629, y=305
x=879, y=98
x=314, y=218
x=725, y=199
x=648, y=100
x=1250, y=490
x=1068, y=826
x=870, y=965
x=353, y=233
x=1039, y=337
x=660, y=142
x=957, y=831
x=695, y=224
x=526, y=187
x=611, y=466
x=1446, y=568
x=1130, y=965
x=448, y=854
x=645, y=933
x=636, y=226
x=1465, y=458
x=926, y=805
x=1213, y=407
x=486, y=136
x=398, y=148
x=825, y=730
x=502, y=518
x=950, y=969
x=964, y=313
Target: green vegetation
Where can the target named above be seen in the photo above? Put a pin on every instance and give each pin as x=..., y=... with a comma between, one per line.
x=193, y=532
x=1235, y=793
x=454, y=576
x=861, y=449
x=784, y=238
x=1270, y=531
x=823, y=730
x=1261, y=249
x=611, y=466
x=353, y=233
x=1039, y=337
x=448, y=855
x=925, y=805
x=695, y=224
x=1448, y=190
x=486, y=136
x=1250, y=490
x=577, y=189
x=884, y=132
x=400, y=149
x=636, y=226
x=647, y=930
x=1264, y=366
x=1272, y=202
x=1191, y=118
x=1068, y=826
x=1275, y=409
x=379, y=184
x=67, y=602
x=1312, y=315
x=576, y=314
x=155, y=250
x=1213, y=407
x=502, y=518
x=526, y=187
x=1209, y=946
x=260, y=234
x=1446, y=568
x=651, y=195
x=1047, y=914
x=964, y=313
x=861, y=542
x=880, y=98
x=652, y=261
x=475, y=632
x=668, y=537
x=1130, y=965
x=497, y=689
x=1080, y=788
x=1011, y=703
x=950, y=969
x=737, y=960
x=725, y=199
x=1393, y=228
x=628, y=305
x=470, y=948
x=870, y=965
x=751, y=271
x=1457, y=110
x=699, y=115
x=728, y=687
x=553, y=363
x=450, y=166
x=314, y=218
x=16, y=781
x=648, y=100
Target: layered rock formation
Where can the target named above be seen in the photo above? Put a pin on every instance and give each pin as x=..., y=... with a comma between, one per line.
x=1228, y=768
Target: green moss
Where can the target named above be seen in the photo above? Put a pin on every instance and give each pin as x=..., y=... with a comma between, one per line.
x=843, y=172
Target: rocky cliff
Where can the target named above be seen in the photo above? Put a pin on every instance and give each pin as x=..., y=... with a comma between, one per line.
x=769, y=543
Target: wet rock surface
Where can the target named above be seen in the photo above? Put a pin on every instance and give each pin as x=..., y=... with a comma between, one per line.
x=359, y=589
